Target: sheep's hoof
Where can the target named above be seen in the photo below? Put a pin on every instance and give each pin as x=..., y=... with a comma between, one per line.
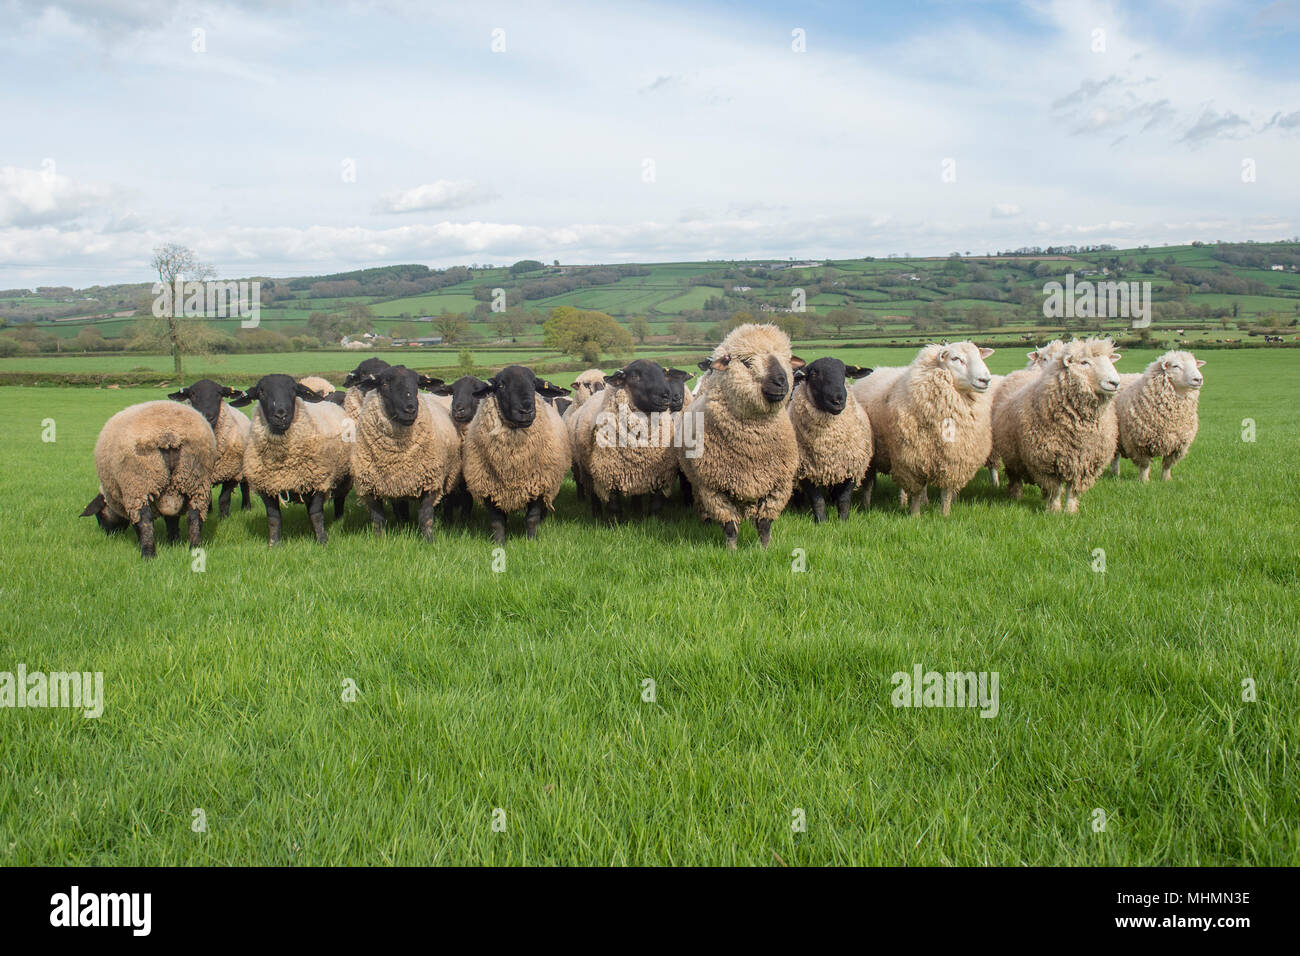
x=224, y=511
x=764, y=526
x=732, y=533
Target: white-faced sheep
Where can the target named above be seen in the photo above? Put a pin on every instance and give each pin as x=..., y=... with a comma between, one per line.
x=516, y=450
x=1004, y=385
x=231, y=429
x=299, y=449
x=1058, y=430
x=623, y=438
x=154, y=458
x=832, y=432
x=930, y=424
x=744, y=466
x=406, y=446
x=1157, y=413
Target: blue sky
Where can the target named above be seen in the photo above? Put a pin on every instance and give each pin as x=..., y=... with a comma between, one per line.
x=299, y=138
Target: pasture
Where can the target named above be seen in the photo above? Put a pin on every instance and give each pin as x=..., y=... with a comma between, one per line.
x=522, y=690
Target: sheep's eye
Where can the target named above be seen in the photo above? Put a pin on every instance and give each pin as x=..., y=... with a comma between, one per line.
x=1085, y=362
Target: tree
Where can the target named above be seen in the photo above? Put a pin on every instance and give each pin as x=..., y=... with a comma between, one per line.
x=791, y=323
x=526, y=265
x=640, y=328
x=174, y=262
x=982, y=317
x=843, y=319
x=451, y=327
x=585, y=334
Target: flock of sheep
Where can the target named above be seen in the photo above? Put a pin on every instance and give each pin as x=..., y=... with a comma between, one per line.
x=759, y=427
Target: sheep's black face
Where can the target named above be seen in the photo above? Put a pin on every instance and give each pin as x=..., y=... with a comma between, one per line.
x=399, y=390
x=107, y=521
x=275, y=395
x=205, y=397
x=516, y=389
x=775, y=382
x=824, y=380
x=371, y=366
x=646, y=383
x=677, y=380
x=466, y=392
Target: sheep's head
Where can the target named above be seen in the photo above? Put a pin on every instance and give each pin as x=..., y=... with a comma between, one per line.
x=107, y=520
x=646, y=383
x=964, y=361
x=677, y=379
x=1093, y=361
x=1183, y=369
x=205, y=396
x=399, y=390
x=516, y=389
x=756, y=367
x=1042, y=356
x=587, y=384
x=464, y=400
x=276, y=396
x=371, y=366
x=825, y=381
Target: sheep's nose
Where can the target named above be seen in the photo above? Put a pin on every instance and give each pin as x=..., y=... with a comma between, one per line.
x=1111, y=383
x=983, y=381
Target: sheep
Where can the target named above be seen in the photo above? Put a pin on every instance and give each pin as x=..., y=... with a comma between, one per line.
x=1058, y=430
x=516, y=450
x=745, y=467
x=680, y=398
x=1007, y=385
x=461, y=401
x=587, y=384
x=832, y=433
x=231, y=429
x=623, y=438
x=352, y=398
x=406, y=446
x=871, y=393
x=154, y=458
x=1157, y=413
x=931, y=424
x=299, y=450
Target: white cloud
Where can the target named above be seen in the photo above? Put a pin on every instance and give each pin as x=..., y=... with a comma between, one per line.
x=437, y=196
x=38, y=197
x=1005, y=210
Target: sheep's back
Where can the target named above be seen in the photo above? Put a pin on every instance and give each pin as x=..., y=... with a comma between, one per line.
x=156, y=453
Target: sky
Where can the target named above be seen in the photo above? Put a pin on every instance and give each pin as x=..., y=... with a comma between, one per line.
x=288, y=138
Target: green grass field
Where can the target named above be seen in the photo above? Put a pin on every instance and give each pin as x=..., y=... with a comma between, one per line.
x=523, y=690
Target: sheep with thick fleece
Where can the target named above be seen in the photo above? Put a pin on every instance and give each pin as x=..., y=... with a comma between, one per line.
x=933, y=422
x=461, y=403
x=406, y=446
x=1059, y=430
x=352, y=398
x=871, y=393
x=743, y=468
x=231, y=429
x=623, y=437
x=516, y=450
x=1157, y=413
x=154, y=458
x=1008, y=384
x=321, y=386
x=832, y=432
x=299, y=449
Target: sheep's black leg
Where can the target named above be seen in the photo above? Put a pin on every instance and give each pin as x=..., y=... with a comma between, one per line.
x=401, y=511
x=687, y=494
x=448, y=508
x=577, y=482
x=733, y=534
x=316, y=511
x=595, y=505
x=194, y=523
x=868, y=486
x=273, y=520
x=341, y=497
x=426, y=516
x=498, y=518
x=223, y=502
x=144, y=531
x=466, y=505
x=818, y=500
x=615, y=506
x=657, y=499
x=376, y=508
x=243, y=490
x=843, y=497
x=173, y=523
x=533, y=517
x=764, y=526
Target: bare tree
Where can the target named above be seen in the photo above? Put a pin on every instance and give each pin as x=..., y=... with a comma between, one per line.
x=173, y=262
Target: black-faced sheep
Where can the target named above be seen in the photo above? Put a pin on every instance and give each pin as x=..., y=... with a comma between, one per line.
x=832, y=432
x=231, y=429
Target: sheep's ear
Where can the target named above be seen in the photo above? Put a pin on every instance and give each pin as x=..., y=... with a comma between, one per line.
x=856, y=371
x=433, y=384
x=1115, y=357
x=306, y=394
x=797, y=362
x=562, y=405
x=182, y=396
x=985, y=353
x=547, y=390
x=616, y=378
x=716, y=365
x=229, y=392
x=678, y=375
x=486, y=388
x=96, y=504
x=250, y=396
x=442, y=388
x=800, y=374
x=1200, y=362
x=368, y=384
x=1032, y=355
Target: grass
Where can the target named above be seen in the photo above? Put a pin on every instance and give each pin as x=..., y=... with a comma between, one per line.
x=522, y=690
